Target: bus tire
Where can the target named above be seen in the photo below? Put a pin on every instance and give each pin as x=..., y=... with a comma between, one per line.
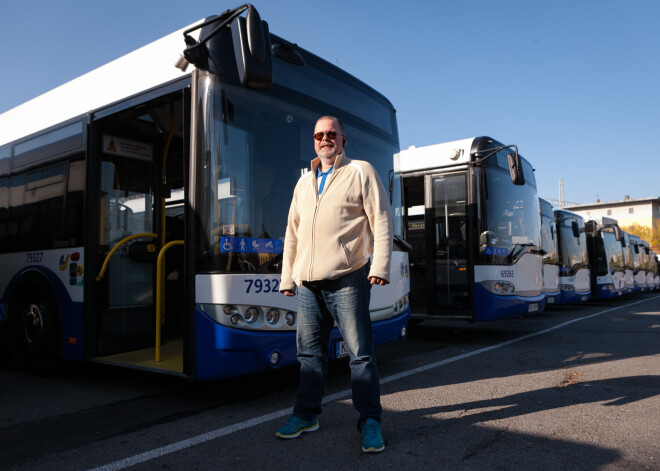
x=38, y=334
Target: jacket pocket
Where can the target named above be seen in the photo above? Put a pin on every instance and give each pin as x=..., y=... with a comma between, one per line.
x=347, y=253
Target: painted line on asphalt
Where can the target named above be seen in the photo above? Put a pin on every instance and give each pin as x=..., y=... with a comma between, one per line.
x=221, y=432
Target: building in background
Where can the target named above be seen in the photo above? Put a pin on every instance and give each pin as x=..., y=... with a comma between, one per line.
x=628, y=212
x=641, y=214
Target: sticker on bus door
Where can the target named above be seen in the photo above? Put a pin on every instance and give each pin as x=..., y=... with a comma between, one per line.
x=250, y=245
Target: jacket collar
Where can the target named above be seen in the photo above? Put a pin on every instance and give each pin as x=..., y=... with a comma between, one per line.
x=340, y=161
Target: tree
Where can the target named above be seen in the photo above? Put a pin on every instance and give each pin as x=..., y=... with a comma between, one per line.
x=649, y=234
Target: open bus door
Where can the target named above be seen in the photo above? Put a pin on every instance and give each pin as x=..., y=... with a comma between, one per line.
x=436, y=225
x=140, y=175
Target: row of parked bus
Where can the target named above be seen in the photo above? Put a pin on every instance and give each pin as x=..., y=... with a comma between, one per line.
x=479, y=249
x=143, y=208
x=592, y=259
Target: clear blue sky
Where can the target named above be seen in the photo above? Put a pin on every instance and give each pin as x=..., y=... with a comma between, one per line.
x=575, y=84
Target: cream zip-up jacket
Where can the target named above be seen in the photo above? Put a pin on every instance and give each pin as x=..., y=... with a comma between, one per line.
x=333, y=234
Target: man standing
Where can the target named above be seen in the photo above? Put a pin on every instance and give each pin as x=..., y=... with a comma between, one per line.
x=339, y=216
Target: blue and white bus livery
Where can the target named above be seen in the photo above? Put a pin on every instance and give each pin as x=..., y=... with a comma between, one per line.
x=471, y=214
x=574, y=273
x=143, y=205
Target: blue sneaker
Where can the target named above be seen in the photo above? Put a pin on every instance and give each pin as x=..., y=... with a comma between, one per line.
x=295, y=426
x=372, y=439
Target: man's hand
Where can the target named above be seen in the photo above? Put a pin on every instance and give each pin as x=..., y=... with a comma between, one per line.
x=288, y=292
x=374, y=280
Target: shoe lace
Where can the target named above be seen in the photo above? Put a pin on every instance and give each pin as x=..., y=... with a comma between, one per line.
x=297, y=422
x=370, y=430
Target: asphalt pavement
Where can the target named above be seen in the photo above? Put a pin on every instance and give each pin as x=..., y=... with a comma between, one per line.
x=571, y=388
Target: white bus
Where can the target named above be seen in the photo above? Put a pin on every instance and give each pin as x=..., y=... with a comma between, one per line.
x=189, y=147
x=471, y=214
x=606, y=258
x=550, y=253
x=629, y=277
x=639, y=258
x=574, y=273
x=654, y=267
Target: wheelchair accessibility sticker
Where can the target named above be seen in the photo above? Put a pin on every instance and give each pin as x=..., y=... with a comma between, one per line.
x=250, y=245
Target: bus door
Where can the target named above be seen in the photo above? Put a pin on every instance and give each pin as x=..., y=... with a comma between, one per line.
x=436, y=227
x=140, y=210
x=447, y=197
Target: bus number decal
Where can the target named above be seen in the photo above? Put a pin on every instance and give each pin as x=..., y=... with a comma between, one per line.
x=266, y=285
x=33, y=257
x=507, y=273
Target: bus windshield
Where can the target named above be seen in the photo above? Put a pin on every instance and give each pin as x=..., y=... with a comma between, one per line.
x=636, y=257
x=573, y=249
x=548, y=236
x=254, y=149
x=512, y=217
x=614, y=252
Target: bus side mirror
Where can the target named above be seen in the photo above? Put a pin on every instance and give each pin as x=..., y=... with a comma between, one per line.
x=515, y=169
x=576, y=229
x=590, y=228
x=252, y=49
x=618, y=234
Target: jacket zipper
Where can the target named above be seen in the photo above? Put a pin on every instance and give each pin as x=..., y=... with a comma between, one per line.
x=316, y=210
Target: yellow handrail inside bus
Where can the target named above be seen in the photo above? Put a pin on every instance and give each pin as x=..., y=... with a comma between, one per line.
x=164, y=176
x=160, y=291
x=116, y=247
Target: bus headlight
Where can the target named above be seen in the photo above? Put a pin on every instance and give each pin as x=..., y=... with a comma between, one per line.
x=290, y=318
x=229, y=310
x=401, y=304
x=251, y=315
x=499, y=287
x=273, y=316
x=246, y=317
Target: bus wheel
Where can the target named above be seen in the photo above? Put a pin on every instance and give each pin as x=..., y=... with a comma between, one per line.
x=38, y=335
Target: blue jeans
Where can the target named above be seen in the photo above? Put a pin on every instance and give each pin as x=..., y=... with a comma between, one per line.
x=321, y=304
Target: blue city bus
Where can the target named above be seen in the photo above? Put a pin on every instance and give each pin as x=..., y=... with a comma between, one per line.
x=143, y=205
x=649, y=262
x=550, y=253
x=638, y=265
x=606, y=258
x=470, y=212
x=629, y=277
x=654, y=269
x=574, y=273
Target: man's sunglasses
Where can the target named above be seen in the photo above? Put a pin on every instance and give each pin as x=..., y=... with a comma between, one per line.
x=331, y=135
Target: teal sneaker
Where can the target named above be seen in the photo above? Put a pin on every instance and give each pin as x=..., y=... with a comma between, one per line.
x=372, y=439
x=295, y=426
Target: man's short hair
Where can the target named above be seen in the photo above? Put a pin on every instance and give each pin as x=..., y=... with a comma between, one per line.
x=337, y=120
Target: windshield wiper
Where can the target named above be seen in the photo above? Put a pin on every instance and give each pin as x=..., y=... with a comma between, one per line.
x=514, y=253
